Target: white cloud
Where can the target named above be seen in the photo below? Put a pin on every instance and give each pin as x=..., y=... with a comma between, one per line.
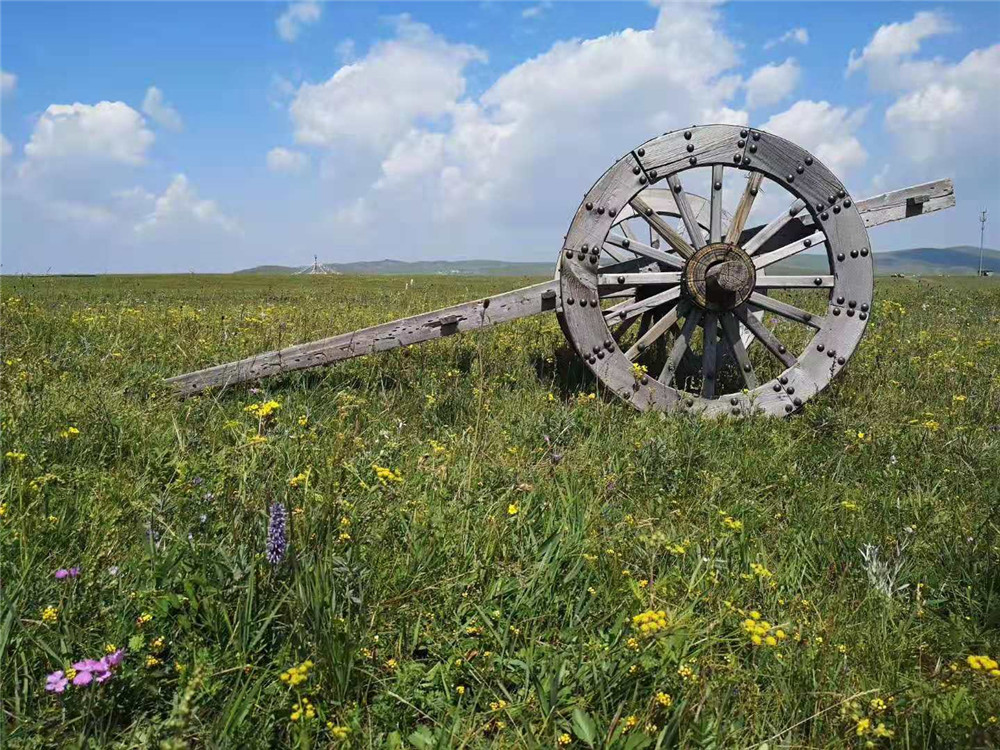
x=5, y=147
x=826, y=131
x=887, y=57
x=111, y=131
x=282, y=159
x=944, y=112
x=769, y=84
x=178, y=206
x=535, y=11
x=416, y=75
x=163, y=113
x=8, y=82
x=296, y=17
x=797, y=35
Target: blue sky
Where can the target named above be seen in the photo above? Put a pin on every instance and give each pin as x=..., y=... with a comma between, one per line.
x=233, y=134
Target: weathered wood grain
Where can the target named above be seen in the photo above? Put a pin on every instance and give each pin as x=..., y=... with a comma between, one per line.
x=468, y=316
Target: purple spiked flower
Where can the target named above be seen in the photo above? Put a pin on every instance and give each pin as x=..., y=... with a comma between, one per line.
x=64, y=573
x=277, y=533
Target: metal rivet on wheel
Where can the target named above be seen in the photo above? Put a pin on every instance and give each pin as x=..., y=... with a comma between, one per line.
x=783, y=380
x=788, y=407
x=836, y=209
x=642, y=180
x=625, y=242
x=687, y=135
x=690, y=147
x=690, y=402
x=863, y=316
x=864, y=252
x=743, y=134
x=817, y=281
x=840, y=256
x=636, y=170
x=677, y=188
x=641, y=346
x=820, y=347
x=597, y=348
x=740, y=144
x=864, y=307
x=593, y=260
x=850, y=313
x=790, y=390
x=790, y=178
x=847, y=203
x=809, y=161
x=854, y=253
x=734, y=401
x=718, y=186
x=609, y=344
x=841, y=193
x=756, y=136
x=612, y=212
x=841, y=360
x=753, y=148
x=777, y=388
x=831, y=354
x=800, y=169
x=782, y=349
x=836, y=311
x=746, y=160
x=621, y=279
x=797, y=401
x=569, y=253
x=581, y=256
x=652, y=174
x=570, y=301
x=589, y=206
x=737, y=157
x=852, y=303
x=807, y=242
x=832, y=199
x=746, y=368
x=820, y=207
x=641, y=152
x=600, y=210
x=824, y=216
x=644, y=380
x=693, y=160
x=840, y=300
x=600, y=355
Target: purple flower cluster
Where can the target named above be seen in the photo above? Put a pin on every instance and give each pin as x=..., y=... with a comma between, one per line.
x=70, y=573
x=87, y=671
x=277, y=534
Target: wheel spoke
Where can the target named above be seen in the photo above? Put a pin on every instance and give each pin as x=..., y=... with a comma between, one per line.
x=621, y=330
x=687, y=215
x=772, y=257
x=708, y=356
x=620, y=294
x=627, y=310
x=658, y=328
x=743, y=209
x=785, y=310
x=795, y=282
x=754, y=243
x=715, y=215
x=657, y=224
x=731, y=329
x=767, y=338
x=622, y=279
x=646, y=251
x=680, y=346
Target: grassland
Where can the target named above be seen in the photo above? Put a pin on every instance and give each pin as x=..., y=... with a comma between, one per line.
x=474, y=529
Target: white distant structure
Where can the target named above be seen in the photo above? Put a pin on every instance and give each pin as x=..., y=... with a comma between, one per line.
x=317, y=268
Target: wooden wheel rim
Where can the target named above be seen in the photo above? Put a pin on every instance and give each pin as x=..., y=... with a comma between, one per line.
x=820, y=195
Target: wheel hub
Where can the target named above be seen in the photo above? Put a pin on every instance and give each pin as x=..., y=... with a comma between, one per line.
x=719, y=277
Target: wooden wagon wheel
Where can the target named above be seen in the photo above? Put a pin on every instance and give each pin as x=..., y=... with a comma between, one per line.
x=694, y=293
x=711, y=281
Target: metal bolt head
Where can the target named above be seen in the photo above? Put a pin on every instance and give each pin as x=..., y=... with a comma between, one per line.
x=693, y=160
x=847, y=203
x=836, y=311
x=581, y=256
x=636, y=170
x=788, y=407
x=777, y=388
x=863, y=316
x=747, y=368
x=831, y=354
x=820, y=347
x=743, y=134
x=718, y=185
x=756, y=136
x=746, y=161
x=809, y=161
x=644, y=380
x=841, y=193
x=864, y=307
x=652, y=174
x=783, y=380
x=625, y=242
x=600, y=355
x=753, y=148
x=677, y=188
x=609, y=344
x=800, y=169
x=642, y=180
x=836, y=209
x=817, y=281
x=621, y=279
x=589, y=206
x=790, y=389
x=864, y=252
x=782, y=349
x=841, y=360
x=734, y=401
x=687, y=135
x=600, y=210
x=797, y=401
x=612, y=212
x=840, y=300
x=737, y=157
x=570, y=301
x=854, y=253
x=790, y=178
x=852, y=303
x=832, y=199
x=741, y=144
x=824, y=216
x=850, y=313
x=569, y=253
x=807, y=242
x=840, y=256
x=641, y=152
x=690, y=147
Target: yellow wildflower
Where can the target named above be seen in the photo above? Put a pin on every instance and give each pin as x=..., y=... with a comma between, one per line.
x=512, y=510
x=50, y=614
x=650, y=622
x=564, y=740
x=664, y=699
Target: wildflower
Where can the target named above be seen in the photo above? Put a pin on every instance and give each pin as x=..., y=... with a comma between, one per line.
x=299, y=479
x=881, y=731
x=931, y=425
x=17, y=457
x=303, y=708
x=64, y=573
x=338, y=732
x=731, y=523
x=639, y=371
x=564, y=740
x=50, y=614
x=650, y=622
x=277, y=536
x=460, y=689
x=512, y=510
x=56, y=682
x=848, y=505
x=958, y=398
x=499, y=705
x=264, y=410
x=664, y=699
x=303, y=421
x=69, y=433
x=3, y=510
x=143, y=619
x=630, y=721
x=96, y=670
x=391, y=665
x=862, y=728
x=387, y=476
x=632, y=644
x=298, y=674
x=686, y=673
x=152, y=661
x=256, y=440
x=983, y=663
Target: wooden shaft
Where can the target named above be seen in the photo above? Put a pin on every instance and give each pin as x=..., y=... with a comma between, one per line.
x=468, y=316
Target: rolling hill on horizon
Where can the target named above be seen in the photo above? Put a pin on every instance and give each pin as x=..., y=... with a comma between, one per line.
x=958, y=260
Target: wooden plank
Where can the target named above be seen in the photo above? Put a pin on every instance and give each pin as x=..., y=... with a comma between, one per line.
x=794, y=282
x=637, y=279
x=755, y=242
x=785, y=310
x=680, y=346
x=743, y=209
x=906, y=203
x=687, y=215
x=656, y=222
x=468, y=316
x=731, y=330
x=646, y=251
x=708, y=368
x=767, y=338
x=624, y=311
x=715, y=215
x=766, y=259
x=655, y=331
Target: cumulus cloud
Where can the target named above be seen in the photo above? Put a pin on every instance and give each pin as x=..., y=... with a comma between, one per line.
x=8, y=82
x=769, y=84
x=888, y=56
x=417, y=74
x=110, y=131
x=179, y=205
x=824, y=130
x=163, y=113
x=5, y=147
x=535, y=11
x=797, y=35
x=296, y=17
x=282, y=159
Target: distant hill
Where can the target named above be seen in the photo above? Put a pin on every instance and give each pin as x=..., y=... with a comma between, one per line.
x=921, y=261
x=424, y=267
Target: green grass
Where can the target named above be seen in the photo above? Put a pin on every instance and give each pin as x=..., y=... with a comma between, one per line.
x=487, y=599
